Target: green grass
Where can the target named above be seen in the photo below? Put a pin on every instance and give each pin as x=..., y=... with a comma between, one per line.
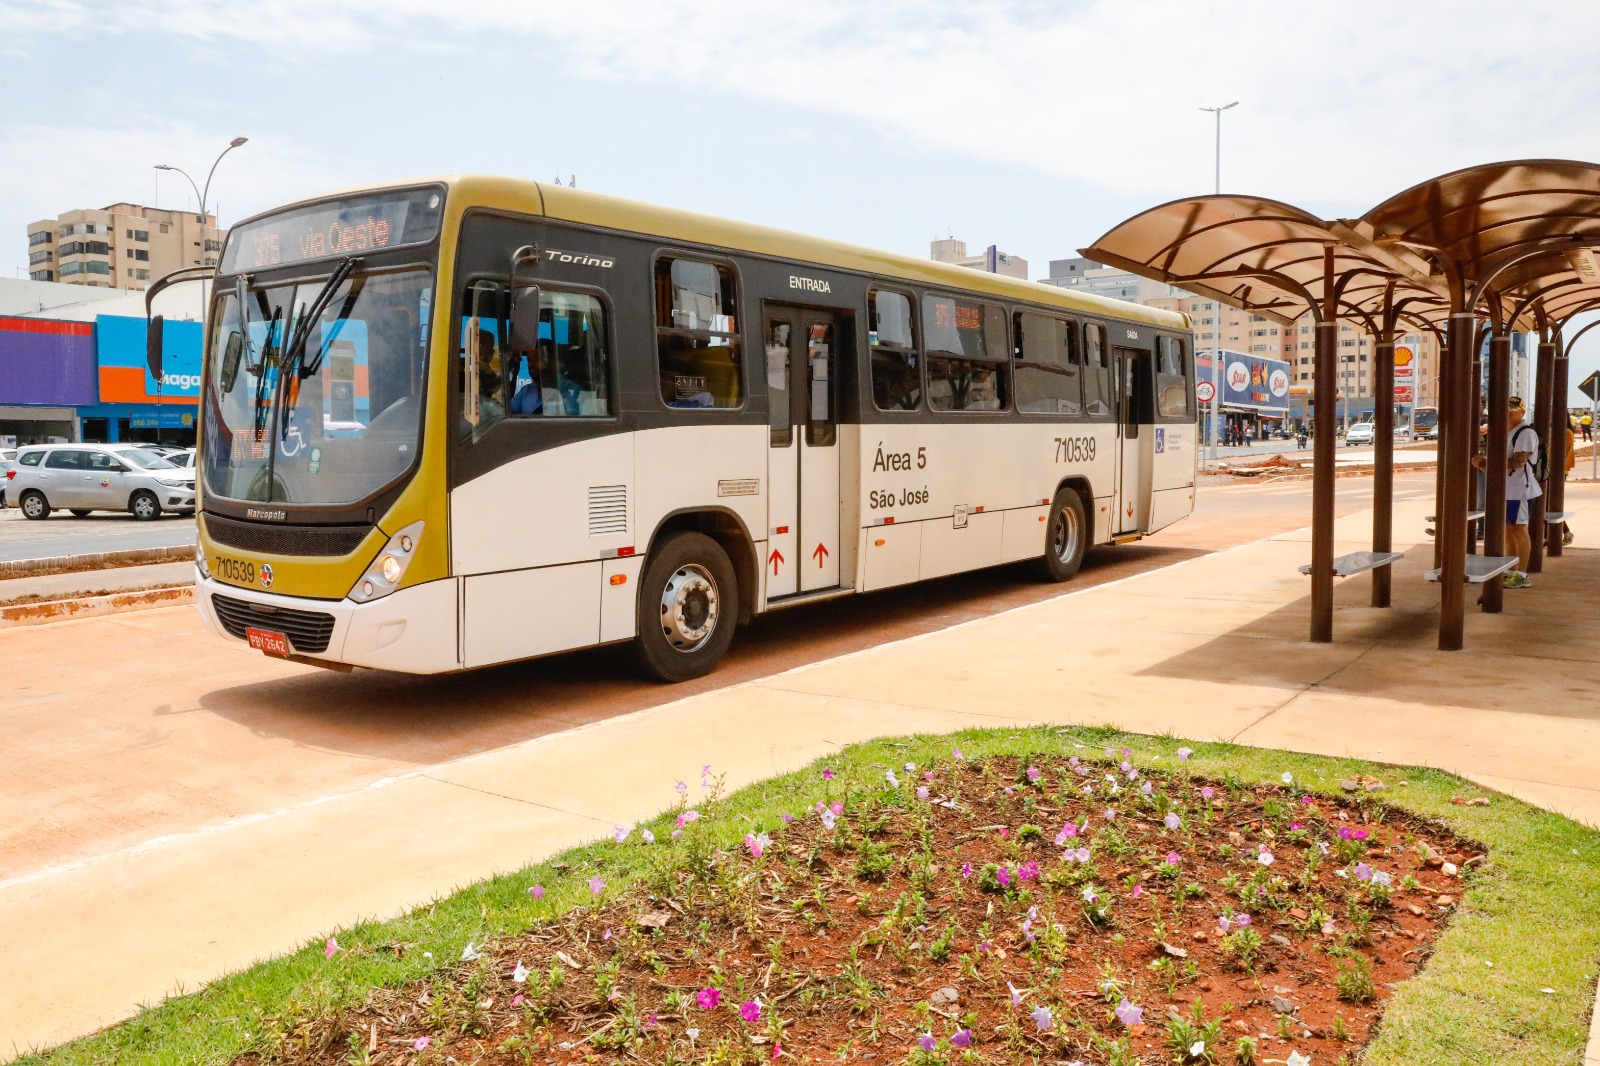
x=1529, y=919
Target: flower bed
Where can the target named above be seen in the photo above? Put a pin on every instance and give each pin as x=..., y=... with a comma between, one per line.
x=1061, y=908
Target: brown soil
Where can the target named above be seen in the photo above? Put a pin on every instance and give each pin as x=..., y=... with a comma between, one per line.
x=860, y=939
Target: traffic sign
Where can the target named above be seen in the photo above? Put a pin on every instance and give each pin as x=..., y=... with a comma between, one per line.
x=1205, y=392
x=1590, y=387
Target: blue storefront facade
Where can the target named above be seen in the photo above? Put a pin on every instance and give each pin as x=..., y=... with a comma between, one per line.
x=88, y=381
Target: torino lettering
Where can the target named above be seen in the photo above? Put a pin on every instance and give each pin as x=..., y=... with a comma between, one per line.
x=581, y=259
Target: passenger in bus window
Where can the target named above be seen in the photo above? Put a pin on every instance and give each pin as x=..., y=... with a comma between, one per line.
x=984, y=393
x=529, y=400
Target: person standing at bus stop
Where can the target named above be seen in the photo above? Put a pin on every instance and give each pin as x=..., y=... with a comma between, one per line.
x=1522, y=445
x=1586, y=423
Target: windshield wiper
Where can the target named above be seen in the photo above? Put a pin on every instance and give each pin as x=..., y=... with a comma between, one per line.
x=293, y=372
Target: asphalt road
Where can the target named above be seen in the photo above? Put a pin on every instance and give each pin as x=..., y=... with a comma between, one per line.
x=126, y=728
x=102, y=531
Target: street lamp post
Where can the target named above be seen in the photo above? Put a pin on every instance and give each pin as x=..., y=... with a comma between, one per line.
x=202, y=194
x=1216, y=320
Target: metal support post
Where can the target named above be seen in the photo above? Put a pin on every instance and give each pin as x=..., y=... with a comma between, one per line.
x=1325, y=385
x=1494, y=463
x=1556, y=498
x=1456, y=457
x=1543, y=415
x=1383, y=464
x=1474, y=482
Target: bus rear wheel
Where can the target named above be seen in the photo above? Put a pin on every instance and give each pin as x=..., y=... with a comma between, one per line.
x=688, y=604
x=1066, y=537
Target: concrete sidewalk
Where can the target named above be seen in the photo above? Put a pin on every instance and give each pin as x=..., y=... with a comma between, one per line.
x=1210, y=648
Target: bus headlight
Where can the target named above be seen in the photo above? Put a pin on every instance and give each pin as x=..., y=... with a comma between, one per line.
x=384, y=575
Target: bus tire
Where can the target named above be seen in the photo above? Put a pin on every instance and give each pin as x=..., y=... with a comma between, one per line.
x=688, y=606
x=1065, y=539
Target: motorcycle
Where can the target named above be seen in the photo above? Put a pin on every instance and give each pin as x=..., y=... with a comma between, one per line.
x=1300, y=439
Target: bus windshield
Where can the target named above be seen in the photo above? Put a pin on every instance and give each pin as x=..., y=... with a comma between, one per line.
x=313, y=408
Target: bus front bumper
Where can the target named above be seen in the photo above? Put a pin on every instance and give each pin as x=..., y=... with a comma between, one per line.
x=412, y=630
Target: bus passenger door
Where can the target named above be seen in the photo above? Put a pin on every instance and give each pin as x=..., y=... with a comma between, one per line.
x=1136, y=437
x=803, y=457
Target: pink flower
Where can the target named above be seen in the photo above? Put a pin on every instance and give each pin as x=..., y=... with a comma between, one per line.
x=1028, y=871
x=331, y=948
x=1242, y=921
x=777, y=1049
x=1002, y=876
x=1111, y=815
x=1172, y=821
x=922, y=792
x=956, y=754
x=421, y=1043
x=927, y=1042
x=708, y=998
x=518, y=999
x=927, y=775
x=1184, y=753
x=1207, y=792
x=966, y=869
x=757, y=843
x=1129, y=1015
x=1068, y=831
x=1174, y=858
x=787, y=818
x=828, y=775
x=962, y=1038
x=750, y=1010
x=1138, y=890
x=596, y=884
x=837, y=807
x=1033, y=773
x=685, y=817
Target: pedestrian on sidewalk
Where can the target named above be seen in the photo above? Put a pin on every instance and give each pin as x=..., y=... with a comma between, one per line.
x=1522, y=445
x=1586, y=423
x=1566, y=472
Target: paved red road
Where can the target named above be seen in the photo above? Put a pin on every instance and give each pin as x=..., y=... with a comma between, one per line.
x=121, y=729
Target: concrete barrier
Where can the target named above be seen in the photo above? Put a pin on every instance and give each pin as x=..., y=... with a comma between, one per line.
x=65, y=564
x=38, y=612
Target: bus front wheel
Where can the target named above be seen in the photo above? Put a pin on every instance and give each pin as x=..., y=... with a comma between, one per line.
x=1066, y=537
x=688, y=604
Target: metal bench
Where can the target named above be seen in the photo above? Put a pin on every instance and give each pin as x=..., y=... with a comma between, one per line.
x=1553, y=517
x=1359, y=563
x=1481, y=568
x=1472, y=516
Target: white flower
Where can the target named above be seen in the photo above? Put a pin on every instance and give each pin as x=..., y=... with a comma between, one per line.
x=1297, y=1059
x=1287, y=778
x=520, y=974
x=469, y=952
x=649, y=837
x=1265, y=858
x=894, y=782
x=1197, y=1049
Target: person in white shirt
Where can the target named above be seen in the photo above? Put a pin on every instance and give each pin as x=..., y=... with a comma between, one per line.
x=1522, y=444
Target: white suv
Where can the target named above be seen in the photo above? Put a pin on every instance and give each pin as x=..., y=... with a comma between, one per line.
x=97, y=477
x=1359, y=434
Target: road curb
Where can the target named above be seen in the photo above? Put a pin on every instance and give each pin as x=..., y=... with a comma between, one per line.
x=43, y=611
x=66, y=564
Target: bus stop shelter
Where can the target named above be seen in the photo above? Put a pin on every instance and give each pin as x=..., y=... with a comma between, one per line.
x=1472, y=255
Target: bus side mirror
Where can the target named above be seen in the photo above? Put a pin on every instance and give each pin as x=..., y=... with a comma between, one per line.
x=524, y=321
x=471, y=408
x=153, y=349
x=230, y=361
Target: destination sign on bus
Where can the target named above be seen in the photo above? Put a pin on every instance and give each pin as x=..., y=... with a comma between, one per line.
x=359, y=226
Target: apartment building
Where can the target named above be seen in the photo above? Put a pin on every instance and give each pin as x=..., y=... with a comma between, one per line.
x=123, y=246
x=991, y=260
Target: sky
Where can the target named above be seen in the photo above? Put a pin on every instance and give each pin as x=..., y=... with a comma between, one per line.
x=1035, y=125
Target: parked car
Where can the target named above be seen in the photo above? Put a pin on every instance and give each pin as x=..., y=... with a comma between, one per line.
x=1361, y=433
x=98, y=477
x=8, y=461
x=183, y=460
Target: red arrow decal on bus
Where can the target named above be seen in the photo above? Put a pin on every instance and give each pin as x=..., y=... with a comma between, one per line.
x=820, y=554
x=776, y=559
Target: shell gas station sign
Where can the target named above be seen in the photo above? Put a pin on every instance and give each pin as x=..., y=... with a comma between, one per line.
x=1405, y=372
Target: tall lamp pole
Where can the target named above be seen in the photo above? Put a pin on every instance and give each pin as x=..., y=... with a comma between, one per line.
x=202, y=194
x=1216, y=322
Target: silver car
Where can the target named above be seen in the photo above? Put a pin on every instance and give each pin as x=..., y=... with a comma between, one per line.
x=97, y=477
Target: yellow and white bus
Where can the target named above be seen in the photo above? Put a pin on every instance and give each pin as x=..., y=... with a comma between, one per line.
x=477, y=420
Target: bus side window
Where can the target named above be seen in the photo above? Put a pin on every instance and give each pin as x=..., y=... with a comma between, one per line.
x=1172, y=379
x=568, y=372
x=1098, y=398
x=697, y=334
x=967, y=354
x=1046, y=374
x=896, y=369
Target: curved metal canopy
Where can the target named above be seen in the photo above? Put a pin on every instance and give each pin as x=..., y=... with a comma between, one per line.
x=1260, y=255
